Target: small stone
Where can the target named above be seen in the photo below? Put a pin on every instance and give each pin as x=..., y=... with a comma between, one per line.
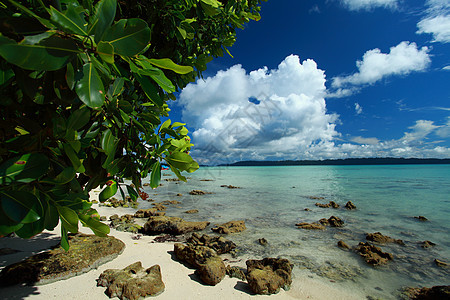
x=262, y=241
x=307, y=209
x=343, y=245
x=197, y=192
x=191, y=211
x=230, y=186
x=421, y=218
x=179, y=195
x=427, y=244
x=350, y=206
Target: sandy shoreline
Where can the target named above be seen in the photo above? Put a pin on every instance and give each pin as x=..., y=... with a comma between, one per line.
x=180, y=281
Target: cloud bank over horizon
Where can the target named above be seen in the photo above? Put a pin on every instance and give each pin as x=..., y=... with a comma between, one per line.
x=281, y=114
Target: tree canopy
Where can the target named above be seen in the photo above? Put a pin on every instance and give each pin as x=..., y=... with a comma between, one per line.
x=84, y=88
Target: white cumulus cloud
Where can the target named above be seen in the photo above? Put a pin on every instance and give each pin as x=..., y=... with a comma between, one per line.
x=436, y=21
x=402, y=59
x=369, y=4
x=358, y=109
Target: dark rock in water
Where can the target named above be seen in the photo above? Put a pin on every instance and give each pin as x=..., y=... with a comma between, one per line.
x=382, y=239
x=133, y=282
x=313, y=226
x=343, y=245
x=230, y=186
x=169, y=202
x=307, y=209
x=197, y=192
x=332, y=221
x=421, y=218
x=373, y=255
x=171, y=225
x=440, y=263
x=210, y=267
x=230, y=227
x=427, y=244
x=330, y=204
x=262, y=241
x=217, y=243
x=86, y=252
x=179, y=195
x=315, y=197
x=124, y=223
x=191, y=211
x=349, y=205
x=236, y=272
x=268, y=275
x=7, y=251
x=159, y=206
x=435, y=293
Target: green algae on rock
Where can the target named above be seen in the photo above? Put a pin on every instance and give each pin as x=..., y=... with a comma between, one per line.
x=86, y=252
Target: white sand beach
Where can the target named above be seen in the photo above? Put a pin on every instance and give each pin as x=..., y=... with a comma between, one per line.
x=180, y=281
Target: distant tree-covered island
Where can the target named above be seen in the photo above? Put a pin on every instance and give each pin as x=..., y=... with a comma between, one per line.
x=347, y=161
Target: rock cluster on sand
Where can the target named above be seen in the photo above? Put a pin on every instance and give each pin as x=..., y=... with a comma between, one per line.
x=124, y=223
x=86, y=252
x=171, y=225
x=269, y=275
x=133, y=282
x=230, y=227
x=378, y=237
x=373, y=255
x=217, y=243
x=236, y=272
x=127, y=202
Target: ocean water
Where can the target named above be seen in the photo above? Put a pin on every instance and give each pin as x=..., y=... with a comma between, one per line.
x=272, y=200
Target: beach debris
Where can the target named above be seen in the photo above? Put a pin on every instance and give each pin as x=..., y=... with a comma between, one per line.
x=217, y=243
x=440, y=263
x=350, y=206
x=86, y=252
x=373, y=255
x=343, y=245
x=313, y=226
x=421, y=218
x=209, y=266
x=171, y=225
x=230, y=227
x=133, y=282
x=124, y=223
x=262, y=241
x=198, y=192
x=379, y=238
x=427, y=244
x=191, y=211
x=230, y=186
x=268, y=275
x=332, y=221
x=435, y=292
x=330, y=204
x=236, y=272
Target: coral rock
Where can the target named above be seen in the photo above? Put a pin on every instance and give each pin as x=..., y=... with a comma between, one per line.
x=314, y=226
x=343, y=245
x=373, y=255
x=171, y=225
x=267, y=276
x=230, y=227
x=382, y=239
x=217, y=243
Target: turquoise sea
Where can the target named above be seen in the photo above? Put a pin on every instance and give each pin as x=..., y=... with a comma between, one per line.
x=272, y=200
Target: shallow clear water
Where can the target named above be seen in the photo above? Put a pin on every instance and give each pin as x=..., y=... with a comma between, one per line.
x=272, y=200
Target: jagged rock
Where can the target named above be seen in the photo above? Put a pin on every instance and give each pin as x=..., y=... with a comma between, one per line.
x=191, y=211
x=209, y=266
x=171, y=225
x=349, y=205
x=268, y=275
x=236, y=272
x=132, y=282
x=145, y=213
x=434, y=293
x=382, y=239
x=197, y=192
x=314, y=226
x=332, y=221
x=427, y=244
x=86, y=252
x=440, y=263
x=343, y=245
x=373, y=255
x=421, y=218
x=262, y=241
x=124, y=223
x=230, y=227
x=217, y=243
x=230, y=186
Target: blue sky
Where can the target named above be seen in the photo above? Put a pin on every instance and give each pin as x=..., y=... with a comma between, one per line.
x=327, y=79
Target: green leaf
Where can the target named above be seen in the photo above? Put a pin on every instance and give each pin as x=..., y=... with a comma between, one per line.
x=71, y=154
x=155, y=176
x=25, y=168
x=116, y=88
x=71, y=21
x=70, y=76
x=90, y=87
x=31, y=229
x=166, y=124
x=109, y=191
x=149, y=89
x=182, y=161
x=106, y=52
x=51, y=217
x=62, y=178
x=132, y=193
x=78, y=118
x=105, y=11
x=43, y=21
x=64, y=238
x=109, y=142
x=69, y=218
x=21, y=207
x=96, y=226
x=49, y=54
x=128, y=36
x=5, y=75
x=167, y=63
x=210, y=7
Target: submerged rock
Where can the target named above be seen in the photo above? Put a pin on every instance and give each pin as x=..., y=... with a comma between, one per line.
x=373, y=255
x=268, y=275
x=382, y=239
x=230, y=186
x=332, y=221
x=86, y=252
x=350, y=206
x=343, y=245
x=421, y=218
x=191, y=211
x=330, y=204
x=440, y=263
x=197, y=192
x=262, y=241
x=427, y=244
x=217, y=243
x=313, y=226
x=171, y=225
x=230, y=227
x=209, y=266
x=133, y=282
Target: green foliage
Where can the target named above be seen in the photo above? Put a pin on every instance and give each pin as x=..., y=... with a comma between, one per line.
x=84, y=88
